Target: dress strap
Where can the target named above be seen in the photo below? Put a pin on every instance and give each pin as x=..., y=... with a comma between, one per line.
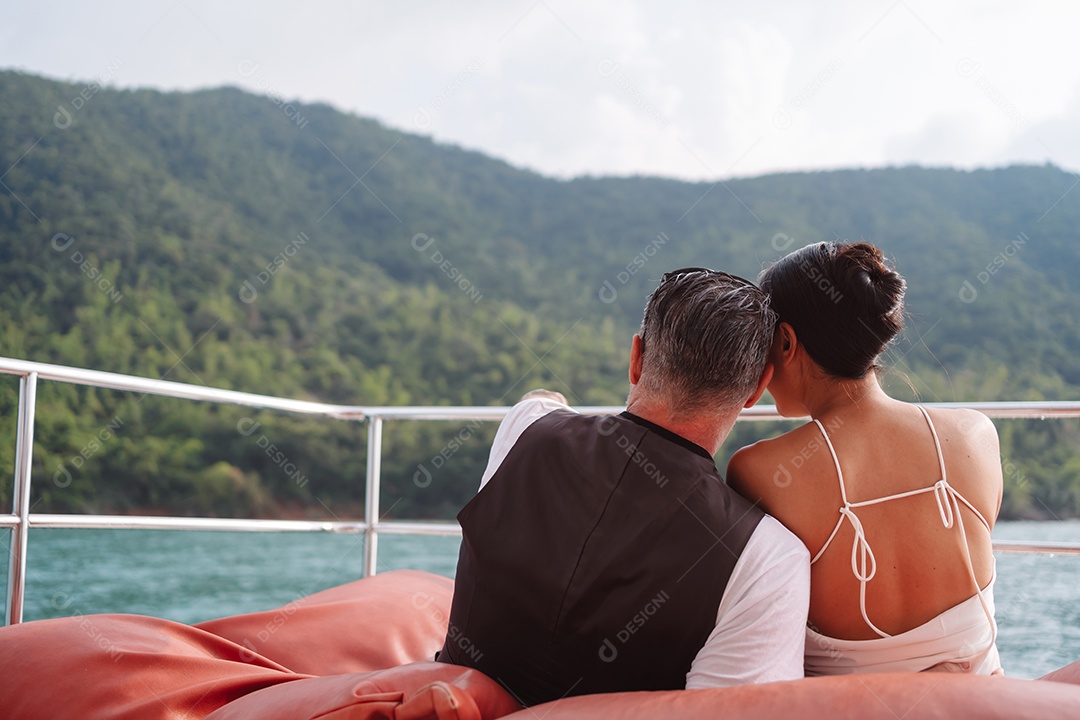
x=863, y=562
x=937, y=441
x=948, y=490
x=843, y=492
x=948, y=500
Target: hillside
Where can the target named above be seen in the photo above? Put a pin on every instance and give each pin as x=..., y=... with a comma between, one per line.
x=224, y=238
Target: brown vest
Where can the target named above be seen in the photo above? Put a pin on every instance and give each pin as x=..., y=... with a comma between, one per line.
x=594, y=559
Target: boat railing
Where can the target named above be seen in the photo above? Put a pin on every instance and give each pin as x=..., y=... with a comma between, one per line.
x=20, y=520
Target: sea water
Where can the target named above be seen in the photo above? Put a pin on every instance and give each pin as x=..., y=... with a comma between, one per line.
x=1037, y=600
x=194, y=576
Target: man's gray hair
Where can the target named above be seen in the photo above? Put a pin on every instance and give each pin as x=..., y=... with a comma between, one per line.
x=706, y=337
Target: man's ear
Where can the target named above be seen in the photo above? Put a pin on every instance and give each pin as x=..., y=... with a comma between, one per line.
x=763, y=383
x=637, y=348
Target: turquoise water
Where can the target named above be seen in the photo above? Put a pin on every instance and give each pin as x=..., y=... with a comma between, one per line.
x=1038, y=600
x=194, y=576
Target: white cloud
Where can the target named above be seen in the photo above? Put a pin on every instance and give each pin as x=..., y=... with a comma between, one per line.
x=1052, y=139
x=690, y=91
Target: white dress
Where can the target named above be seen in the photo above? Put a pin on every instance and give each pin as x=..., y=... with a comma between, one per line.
x=963, y=636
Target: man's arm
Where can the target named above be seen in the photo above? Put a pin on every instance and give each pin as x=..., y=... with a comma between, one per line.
x=760, y=631
x=533, y=405
x=542, y=393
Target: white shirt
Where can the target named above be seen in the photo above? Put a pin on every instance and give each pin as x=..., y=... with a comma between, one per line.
x=760, y=630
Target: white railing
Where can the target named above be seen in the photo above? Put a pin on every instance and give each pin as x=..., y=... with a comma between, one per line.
x=21, y=519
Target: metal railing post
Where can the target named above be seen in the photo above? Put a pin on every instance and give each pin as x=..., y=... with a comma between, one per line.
x=20, y=534
x=371, y=495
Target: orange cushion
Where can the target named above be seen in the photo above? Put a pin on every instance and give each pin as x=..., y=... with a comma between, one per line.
x=126, y=667
x=412, y=692
x=378, y=622
x=122, y=667
x=1067, y=674
x=912, y=696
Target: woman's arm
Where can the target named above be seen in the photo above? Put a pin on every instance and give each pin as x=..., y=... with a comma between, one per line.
x=745, y=474
x=771, y=474
x=982, y=456
x=738, y=474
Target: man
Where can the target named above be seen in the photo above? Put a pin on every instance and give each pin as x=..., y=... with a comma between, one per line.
x=606, y=553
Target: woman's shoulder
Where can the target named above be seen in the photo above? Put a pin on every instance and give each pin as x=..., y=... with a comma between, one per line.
x=766, y=450
x=972, y=454
x=965, y=428
x=754, y=469
x=965, y=419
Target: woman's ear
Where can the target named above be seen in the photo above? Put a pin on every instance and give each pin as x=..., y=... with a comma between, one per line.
x=785, y=344
x=763, y=383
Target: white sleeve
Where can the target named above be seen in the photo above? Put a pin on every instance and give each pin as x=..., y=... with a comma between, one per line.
x=760, y=632
x=520, y=417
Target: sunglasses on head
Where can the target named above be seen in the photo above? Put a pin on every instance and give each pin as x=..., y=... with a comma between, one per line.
x=693, y=270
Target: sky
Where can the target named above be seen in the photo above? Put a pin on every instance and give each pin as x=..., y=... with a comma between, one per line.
x=693, y=91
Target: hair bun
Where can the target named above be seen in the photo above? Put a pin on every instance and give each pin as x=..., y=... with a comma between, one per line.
x=872, y=283
x=843, y=301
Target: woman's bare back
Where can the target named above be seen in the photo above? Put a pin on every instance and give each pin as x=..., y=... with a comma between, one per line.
x=919, y=565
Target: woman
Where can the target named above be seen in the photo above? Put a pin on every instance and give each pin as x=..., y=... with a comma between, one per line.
x=894, y=502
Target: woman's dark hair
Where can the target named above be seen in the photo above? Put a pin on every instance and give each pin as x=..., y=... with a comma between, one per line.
x=843, y=301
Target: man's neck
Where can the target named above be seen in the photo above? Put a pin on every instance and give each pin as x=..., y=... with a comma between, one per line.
x=709, y=430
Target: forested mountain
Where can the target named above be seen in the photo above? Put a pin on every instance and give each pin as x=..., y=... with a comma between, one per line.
x=247, y=242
